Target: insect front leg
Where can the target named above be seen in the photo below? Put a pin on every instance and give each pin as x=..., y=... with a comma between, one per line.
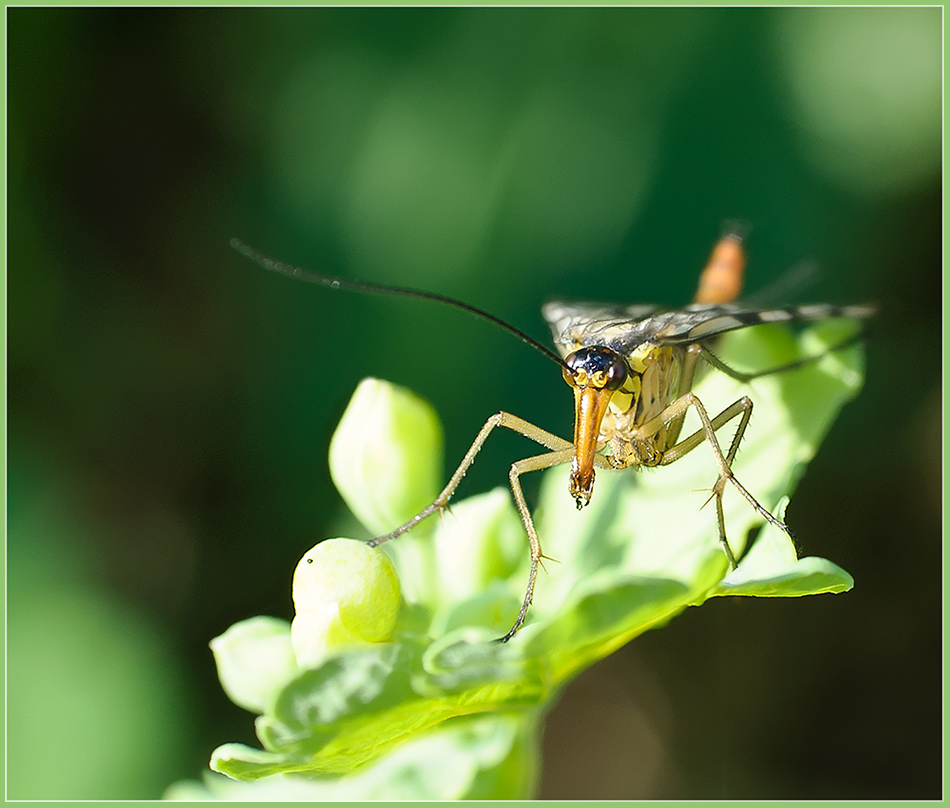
x=502, y=419
x=536, y=463
x=562, y=451
x=707, y=433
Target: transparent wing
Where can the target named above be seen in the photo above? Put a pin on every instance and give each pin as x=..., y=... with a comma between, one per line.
x=579, y=323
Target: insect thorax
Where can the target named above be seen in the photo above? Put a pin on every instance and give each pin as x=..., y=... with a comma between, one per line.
x=652, y=385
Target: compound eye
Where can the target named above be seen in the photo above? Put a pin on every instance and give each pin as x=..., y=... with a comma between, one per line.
x=616, y=373
x=596, y=367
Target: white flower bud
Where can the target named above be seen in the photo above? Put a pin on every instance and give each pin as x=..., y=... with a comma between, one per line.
x=345, y=593
x=255, y=660
x=386, y=455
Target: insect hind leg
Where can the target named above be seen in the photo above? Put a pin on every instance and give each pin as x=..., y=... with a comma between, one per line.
x=795, y=364
x=707, y=433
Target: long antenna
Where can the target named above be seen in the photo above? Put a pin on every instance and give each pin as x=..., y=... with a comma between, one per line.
x=378, y=288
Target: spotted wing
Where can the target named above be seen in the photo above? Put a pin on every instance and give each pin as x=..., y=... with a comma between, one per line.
x=575, y=324
x=624, y=328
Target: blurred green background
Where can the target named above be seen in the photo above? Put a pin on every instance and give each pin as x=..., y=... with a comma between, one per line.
x=170, y=405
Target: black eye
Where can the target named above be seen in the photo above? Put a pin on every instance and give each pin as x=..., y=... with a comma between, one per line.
x=596, y=367
x=616, y=373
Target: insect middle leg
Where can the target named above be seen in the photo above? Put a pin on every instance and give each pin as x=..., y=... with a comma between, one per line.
x=707, y=433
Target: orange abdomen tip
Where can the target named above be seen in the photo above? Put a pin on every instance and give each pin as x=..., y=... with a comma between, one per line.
x=721, y=281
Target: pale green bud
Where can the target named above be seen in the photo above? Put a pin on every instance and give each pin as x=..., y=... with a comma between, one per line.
x=386, y=455
x=346, y=593
x=255, y=660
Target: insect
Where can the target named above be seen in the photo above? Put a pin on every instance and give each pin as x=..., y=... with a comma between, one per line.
x=631, y=370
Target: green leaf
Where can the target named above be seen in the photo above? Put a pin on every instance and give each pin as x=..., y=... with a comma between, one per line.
x=643, y=551
x=772, y=568
x=355, y=688
x=478, y=757
x=242, y=762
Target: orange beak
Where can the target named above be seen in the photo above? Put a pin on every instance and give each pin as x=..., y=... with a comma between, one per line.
x=590, y=406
